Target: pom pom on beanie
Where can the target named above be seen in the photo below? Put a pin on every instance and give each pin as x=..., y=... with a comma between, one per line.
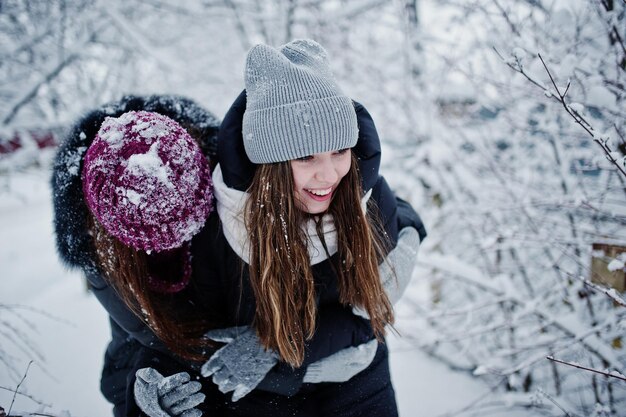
x=294, y=106
x=147, y=182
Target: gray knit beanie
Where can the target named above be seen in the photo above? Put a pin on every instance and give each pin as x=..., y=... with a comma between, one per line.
x=294, y=106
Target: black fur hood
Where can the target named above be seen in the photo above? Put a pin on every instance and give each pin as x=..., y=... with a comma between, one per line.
x=73, y=242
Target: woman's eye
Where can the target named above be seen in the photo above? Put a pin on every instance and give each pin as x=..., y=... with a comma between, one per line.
x=305, y=158
x=342, y=151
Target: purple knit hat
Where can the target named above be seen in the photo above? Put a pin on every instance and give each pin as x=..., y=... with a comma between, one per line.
x=147, y=182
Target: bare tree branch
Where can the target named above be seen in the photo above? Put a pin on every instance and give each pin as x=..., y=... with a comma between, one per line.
x=23, y=394
x=18, y=387
x=506, y=17
x=241, y=28
x=575, y=365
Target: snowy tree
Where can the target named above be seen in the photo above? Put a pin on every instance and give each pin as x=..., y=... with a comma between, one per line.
x=59, y=59
x=525, y=161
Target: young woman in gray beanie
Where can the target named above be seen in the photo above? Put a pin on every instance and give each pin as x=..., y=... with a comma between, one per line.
x=310, y=245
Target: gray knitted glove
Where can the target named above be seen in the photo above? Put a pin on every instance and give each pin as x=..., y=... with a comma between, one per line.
x=240, y=365
x=167, y=397
x=400, y=260
x=343, y=365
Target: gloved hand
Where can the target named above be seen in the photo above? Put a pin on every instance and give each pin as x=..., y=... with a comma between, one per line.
x=167, y=397
x=396, y=270
x=240, y=365
x=343, y=365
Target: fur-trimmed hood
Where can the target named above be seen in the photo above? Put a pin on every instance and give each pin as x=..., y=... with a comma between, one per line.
x=73, y=242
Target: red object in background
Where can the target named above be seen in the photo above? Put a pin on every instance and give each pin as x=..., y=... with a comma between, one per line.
x=10, y=145
x=43, y=139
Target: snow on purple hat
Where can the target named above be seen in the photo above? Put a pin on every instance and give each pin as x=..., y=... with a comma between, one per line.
x=147, y=182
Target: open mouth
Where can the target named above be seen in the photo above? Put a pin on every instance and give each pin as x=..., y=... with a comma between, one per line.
x=320, y=194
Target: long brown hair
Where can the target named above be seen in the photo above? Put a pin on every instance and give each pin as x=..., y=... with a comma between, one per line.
x=280, y=268
x=170, y=316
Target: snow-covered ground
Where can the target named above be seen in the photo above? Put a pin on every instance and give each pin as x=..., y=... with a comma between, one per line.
x=70, y=329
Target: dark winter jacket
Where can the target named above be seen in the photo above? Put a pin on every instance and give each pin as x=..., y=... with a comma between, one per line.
x=337, y=327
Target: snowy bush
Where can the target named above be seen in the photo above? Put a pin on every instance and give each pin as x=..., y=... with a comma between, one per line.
x=527, y=179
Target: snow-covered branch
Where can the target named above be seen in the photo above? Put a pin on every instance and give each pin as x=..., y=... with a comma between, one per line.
x=609, y=292
x=29, y=95
x=573, y=109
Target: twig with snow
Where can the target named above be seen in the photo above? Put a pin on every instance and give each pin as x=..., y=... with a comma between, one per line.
x=477, y=400
x=619, y=133
x=527, y=308
x=506, y=17
x=609, y=292
x=556, y=403
x=612, y=374
x=573, y=109
x=446, y=312
x=558, y=347
x=503, y=404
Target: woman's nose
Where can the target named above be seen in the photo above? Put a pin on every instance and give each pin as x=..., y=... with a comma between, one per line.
x=327, y=172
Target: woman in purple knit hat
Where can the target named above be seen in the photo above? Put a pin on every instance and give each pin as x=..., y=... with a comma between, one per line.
x=132, y=192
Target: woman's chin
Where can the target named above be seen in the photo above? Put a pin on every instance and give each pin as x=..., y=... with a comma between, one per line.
x=315, y=207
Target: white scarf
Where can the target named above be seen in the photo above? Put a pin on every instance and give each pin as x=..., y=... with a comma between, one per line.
x=230, y=205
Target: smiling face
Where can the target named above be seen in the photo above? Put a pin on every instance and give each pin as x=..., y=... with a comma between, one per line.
x=316, y=178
